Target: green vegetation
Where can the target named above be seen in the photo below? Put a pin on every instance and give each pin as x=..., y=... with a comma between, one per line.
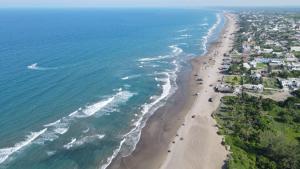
x=235, y=69
x=287, y=74
x=261, y=66
x=297, y=54
x=250, y=80
x=268, y=55
x=233, y=80
x=271, y=83
x=261, y=133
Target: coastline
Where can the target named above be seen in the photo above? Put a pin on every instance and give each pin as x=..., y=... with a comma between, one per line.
x=172, y=122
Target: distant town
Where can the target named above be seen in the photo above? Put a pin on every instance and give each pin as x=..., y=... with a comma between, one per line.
x=259, y=114
x=265, y=57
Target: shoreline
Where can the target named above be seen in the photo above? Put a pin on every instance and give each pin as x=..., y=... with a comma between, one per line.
x=198, y=146
x=172, y=121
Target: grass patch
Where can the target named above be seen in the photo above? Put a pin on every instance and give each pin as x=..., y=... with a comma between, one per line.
x=261, y=66
x=233, y=80
x=271, y=83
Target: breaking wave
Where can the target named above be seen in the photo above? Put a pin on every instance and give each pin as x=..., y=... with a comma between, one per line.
x=210, y=32
x=87, y=139
x=61, y=126
x=130, y=77
x=35, y=66
x=155, y=58
x=130, y=139
x=186, y=35
x=5, y=153
x=182, y=30
x=176, y=50
x=121, y=96
x=204, y=24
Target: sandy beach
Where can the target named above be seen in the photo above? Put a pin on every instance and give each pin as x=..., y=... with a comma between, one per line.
x=198, y=145
x=182, y=134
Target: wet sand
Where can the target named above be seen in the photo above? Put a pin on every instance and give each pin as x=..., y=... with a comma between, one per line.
x=172, y=139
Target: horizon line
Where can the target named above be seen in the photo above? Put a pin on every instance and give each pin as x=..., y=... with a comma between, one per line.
x=141, y=6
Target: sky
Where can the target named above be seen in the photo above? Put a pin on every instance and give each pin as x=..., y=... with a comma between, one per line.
x=145, y=3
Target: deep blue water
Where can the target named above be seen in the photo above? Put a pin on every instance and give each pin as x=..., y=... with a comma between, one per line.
x=77, y=84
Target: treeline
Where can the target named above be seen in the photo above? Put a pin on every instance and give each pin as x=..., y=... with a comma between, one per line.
x=261, y=133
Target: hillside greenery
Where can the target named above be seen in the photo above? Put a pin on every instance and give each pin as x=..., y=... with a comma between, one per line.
x=261, y=133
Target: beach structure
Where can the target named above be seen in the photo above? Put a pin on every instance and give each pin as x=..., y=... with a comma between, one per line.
x=253, y=88
x=246, y=65
x=295, y=48
x=290, y=83
x=224, y=88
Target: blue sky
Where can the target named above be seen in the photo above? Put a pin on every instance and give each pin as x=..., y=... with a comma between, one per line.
x=145, y=3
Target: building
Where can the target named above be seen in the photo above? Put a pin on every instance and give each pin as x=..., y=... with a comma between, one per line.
x=295, y=48
x=246, y=65
x=294, y=66
x=224, y=88
x=290, y=83
x=253, y=88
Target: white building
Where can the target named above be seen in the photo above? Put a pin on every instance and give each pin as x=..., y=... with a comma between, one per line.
x=267, y=51
x=295, y=48
x=246, y=65
x=294, y=66
x=290, y=83
x=253, y=63
x=254, y=88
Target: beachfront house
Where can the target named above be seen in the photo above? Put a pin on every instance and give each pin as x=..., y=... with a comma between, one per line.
x=290, y=83
x=253, y=63
x=246, y=65
x=262, y=60
x=267, y=51
x=295, y=48
x=294, y=66
x=224, y=88
x=253, y=88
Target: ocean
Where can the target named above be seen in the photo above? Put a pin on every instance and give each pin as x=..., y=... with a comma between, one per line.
x=77, y=85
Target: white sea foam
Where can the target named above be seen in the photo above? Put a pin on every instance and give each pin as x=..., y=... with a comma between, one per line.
x=186, y=35
x=86, y=130
x=50, y=135
x=35, y=66
x=133, y=135
x=154, y=58
x=115, y=153
x=210, y=32
x=52, y=124
x=130, y=77
x=90, y=110
x=6, y=152
x=184, y=44
x=168, y=88
x=61, y=131
x=204, y=24
x=70, y=144
x=182, y=30
x=50, y=153
x=179, y=38
x=61, y=126
x=87, y=139
x=125, y=78
x=176, y=50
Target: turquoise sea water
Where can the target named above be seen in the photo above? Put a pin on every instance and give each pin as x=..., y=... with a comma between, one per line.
x=78, y=84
